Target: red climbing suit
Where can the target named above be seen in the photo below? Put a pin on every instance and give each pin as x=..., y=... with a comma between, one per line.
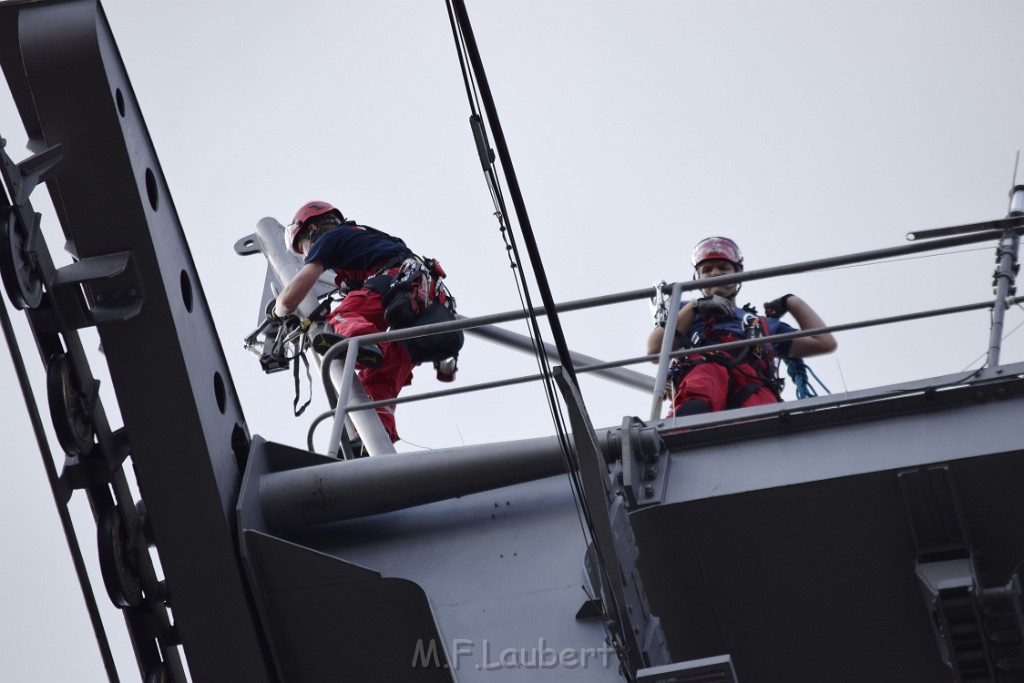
x=357, y=254
x=715, y=383
x=361, y=312
x=729, y=379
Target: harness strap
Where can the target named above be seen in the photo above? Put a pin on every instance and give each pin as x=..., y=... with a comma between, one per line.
x=381, y=280
x=732, y=361
x=301, y=355
x=356, y=279
x=393, y=262
x=375, y=231
x=734, y=399
x=378, y=283
x=737, y=398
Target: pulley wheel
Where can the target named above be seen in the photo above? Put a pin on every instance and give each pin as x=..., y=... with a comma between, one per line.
x=68, y=407
x=117, y=564
x=24, y=288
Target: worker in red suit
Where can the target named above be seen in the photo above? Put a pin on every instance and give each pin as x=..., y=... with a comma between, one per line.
x=365, y=262
x=717, y=380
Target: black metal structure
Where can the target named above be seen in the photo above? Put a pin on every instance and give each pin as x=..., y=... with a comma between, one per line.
x=869, y=537
x=133, y=279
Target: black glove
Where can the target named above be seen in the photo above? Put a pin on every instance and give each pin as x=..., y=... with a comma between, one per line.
x=714, y=306
x=270, y=310
x=319, y=313
x=287, y=320
x=777, y=308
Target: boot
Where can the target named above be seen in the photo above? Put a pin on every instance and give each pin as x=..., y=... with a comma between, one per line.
x=370, y=356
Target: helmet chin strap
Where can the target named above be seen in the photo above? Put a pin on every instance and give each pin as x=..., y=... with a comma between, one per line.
x=738, y=285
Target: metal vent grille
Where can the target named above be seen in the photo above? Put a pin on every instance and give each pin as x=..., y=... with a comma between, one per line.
x=708, y=670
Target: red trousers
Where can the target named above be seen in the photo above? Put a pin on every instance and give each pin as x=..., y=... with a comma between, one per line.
x=710, y=382
x=361, y=312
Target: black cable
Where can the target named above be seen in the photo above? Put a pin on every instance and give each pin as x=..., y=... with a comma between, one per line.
x=514, y=189
x=508, y=236
x=494, y=186
x=55, y=489
x=460, y=50
x=468, y=44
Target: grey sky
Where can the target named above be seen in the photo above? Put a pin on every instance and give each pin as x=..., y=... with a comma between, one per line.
x=800, y=129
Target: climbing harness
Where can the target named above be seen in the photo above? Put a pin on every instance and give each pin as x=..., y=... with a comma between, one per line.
x=413, y=296
x=417, y=295
x=755, y=362
x=760, y=357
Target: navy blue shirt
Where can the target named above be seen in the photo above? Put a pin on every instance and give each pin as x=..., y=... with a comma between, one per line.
x=353, y=249
x=704, y=332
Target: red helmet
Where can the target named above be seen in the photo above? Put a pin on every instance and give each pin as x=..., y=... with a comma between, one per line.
x=717, y=248
x=314, y=209
x=307, y=212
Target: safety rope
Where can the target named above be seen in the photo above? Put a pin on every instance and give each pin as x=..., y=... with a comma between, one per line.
x=798, y=370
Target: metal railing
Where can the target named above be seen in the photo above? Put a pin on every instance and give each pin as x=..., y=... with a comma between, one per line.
x=1005, y=231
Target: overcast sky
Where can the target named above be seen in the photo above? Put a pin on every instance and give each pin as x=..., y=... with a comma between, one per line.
x=801, y=129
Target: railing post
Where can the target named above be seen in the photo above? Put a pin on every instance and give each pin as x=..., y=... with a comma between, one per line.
x=344, y=392
x=666, y=349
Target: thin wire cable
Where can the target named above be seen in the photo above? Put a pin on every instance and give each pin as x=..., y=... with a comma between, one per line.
x=501, y=210
x=508, y=236
x=62, y=508
x=1005, y=337
x=535, y=333
x=512, y=250
x=907, y=258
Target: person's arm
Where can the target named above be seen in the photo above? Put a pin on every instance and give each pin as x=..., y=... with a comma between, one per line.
x=296, y=290
x=807, y=319
x=684, y=321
